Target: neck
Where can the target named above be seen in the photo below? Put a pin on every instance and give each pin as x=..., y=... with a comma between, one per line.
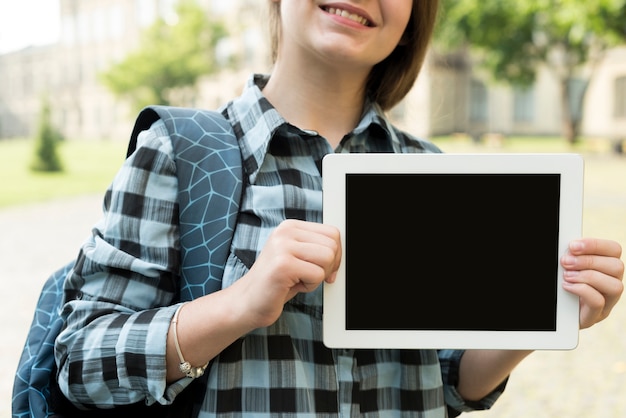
x=325, y=100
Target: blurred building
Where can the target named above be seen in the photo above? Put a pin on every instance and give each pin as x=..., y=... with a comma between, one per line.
x=462, y=100
x=94, y=35
x=450, y=96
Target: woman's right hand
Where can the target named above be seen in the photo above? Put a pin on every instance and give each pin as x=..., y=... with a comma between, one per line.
x=298, y=257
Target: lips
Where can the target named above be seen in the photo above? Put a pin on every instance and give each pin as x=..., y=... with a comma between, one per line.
x=355, y=17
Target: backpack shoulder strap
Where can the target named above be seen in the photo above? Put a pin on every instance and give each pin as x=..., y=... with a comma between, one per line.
x=209, y=170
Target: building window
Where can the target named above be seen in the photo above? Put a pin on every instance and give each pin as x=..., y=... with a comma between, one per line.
x=478, y=102
x=167, y=11
x=146, y=12
x=577, y=88
x=68, y=30
x=523, y=105
x=116, y=22
x=220, y=7
x=620, y=97
x=99, y=25
x=83, y=28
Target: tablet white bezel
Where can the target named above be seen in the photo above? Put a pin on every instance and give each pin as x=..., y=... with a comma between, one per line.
x=571, y=170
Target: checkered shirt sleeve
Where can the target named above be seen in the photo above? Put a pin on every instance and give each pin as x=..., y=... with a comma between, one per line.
x=113, y=349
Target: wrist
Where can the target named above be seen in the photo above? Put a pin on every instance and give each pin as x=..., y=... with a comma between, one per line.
x=184, y=366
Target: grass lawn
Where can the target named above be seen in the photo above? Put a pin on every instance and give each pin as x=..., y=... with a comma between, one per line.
x=533, y=144
x=89, y=167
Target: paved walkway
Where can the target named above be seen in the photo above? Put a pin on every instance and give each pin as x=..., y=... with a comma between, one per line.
x=589, y=382
x=34, y=241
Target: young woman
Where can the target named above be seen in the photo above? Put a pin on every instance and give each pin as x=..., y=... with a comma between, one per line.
x=338, y=67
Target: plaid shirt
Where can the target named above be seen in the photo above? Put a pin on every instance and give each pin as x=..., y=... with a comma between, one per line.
x=113, y=349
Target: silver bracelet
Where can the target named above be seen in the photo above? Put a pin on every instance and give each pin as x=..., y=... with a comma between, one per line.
x=184, y=366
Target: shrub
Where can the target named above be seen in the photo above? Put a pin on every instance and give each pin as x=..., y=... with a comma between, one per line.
x=46, y=144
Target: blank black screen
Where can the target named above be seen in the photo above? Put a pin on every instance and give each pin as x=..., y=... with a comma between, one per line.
x=473, y=252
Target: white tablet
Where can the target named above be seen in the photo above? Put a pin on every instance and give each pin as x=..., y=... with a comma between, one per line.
x=452, y=250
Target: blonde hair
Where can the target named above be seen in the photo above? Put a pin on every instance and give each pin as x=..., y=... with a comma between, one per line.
x=392, y=78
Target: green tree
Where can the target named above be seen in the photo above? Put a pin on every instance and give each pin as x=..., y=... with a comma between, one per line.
x=515, y=38
x=169, y=57
x=46, y=157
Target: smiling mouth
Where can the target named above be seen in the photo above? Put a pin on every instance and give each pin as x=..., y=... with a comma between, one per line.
x=348, y=15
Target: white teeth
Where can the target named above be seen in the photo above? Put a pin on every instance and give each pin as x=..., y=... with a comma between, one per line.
x=352, y=16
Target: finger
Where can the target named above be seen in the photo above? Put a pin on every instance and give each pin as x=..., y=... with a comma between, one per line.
x=610, y=266
x=593, y=306
x=596, y=246
x=598, y=294
x=325, y=255
x=310, y=232
x=323, y=235
x=311, y=227
x=309, y=277
x=609, y=287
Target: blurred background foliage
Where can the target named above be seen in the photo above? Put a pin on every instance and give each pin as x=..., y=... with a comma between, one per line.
x=512, y=39
x=171, y=56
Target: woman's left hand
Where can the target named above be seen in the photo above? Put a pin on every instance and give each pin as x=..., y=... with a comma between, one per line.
x=594, y=272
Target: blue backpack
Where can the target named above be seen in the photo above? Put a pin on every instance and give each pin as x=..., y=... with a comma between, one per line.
x=208, y=165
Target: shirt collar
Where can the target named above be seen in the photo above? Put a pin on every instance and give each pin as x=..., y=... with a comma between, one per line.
x=255, y=122
x=373, y=126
